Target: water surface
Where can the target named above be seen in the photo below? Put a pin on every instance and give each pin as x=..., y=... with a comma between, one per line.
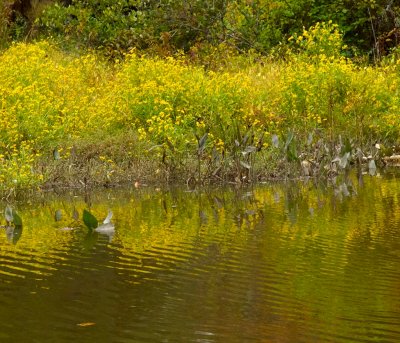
x=293, y=262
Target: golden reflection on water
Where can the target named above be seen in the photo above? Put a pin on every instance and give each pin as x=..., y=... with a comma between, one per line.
x=305, y=261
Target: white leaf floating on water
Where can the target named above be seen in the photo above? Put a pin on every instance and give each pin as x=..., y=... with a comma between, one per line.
x=107, y=228
x=8, y=214
x=108, y=218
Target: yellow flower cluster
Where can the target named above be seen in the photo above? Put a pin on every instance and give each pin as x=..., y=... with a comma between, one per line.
x=49, y=99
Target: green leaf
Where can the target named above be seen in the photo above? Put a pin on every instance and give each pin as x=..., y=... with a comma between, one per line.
x=17, y=219
x=89, y=220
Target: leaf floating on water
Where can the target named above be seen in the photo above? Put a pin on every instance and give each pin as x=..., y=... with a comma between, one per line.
x=106, y=229
x=108, y=218
x=57, y=215
x=89, y=220
x=86, y=324
x=13, y=234
x=16, y=218
x=8, y=214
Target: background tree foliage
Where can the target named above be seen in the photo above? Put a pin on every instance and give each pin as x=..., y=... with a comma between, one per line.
x=369, y=26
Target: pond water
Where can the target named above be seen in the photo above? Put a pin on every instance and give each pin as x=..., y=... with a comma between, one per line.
x=293, y=262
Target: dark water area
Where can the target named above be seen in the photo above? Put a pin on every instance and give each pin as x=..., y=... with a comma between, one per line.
x=293, y=262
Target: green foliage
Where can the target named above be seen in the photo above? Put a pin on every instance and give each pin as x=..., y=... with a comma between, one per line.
x=113, y=26
x=363, y=23
x=89, y=220
x=168, y=26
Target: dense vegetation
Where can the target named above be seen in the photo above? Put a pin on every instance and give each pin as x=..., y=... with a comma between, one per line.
x=212, y=90
x=369, y=26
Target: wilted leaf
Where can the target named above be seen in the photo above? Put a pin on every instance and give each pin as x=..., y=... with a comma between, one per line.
x=90, y=220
